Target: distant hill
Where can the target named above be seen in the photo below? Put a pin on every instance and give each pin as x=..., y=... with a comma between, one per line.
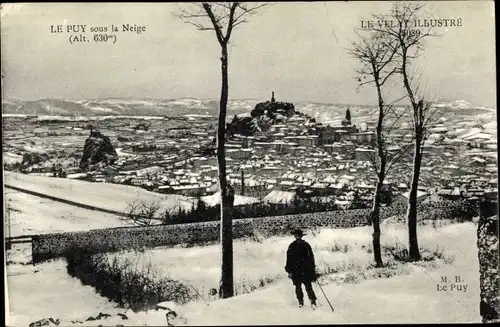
x=323, y=112
x=151, y=107
x=120, y=107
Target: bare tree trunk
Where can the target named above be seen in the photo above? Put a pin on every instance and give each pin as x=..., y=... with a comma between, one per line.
x=375, y=214
x=412, y=202
x=411, y=216
x=375, y=218
x=226, y=226
x=224, y=18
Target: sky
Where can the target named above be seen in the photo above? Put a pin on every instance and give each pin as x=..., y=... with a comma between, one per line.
x=297, y=49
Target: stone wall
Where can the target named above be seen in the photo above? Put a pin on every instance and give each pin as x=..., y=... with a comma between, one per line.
x=488, y=252
x=49, y=246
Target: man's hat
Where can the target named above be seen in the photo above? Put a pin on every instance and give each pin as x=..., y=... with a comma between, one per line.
x=298, y=232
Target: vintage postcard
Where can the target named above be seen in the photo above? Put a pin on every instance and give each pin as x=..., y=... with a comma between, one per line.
x=233, y=163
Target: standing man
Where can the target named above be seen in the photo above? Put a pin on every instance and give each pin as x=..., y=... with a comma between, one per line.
x=301, y=267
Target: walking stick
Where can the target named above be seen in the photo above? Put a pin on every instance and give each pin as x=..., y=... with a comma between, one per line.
x=321, y=288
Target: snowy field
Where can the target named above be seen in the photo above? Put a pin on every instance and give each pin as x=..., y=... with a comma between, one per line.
x=336, y=250
x=30, y=214
x=410, y=296
x=342, y=251
x=107, y=195
x=46, y=290
x=355, y=290
x=103, y=195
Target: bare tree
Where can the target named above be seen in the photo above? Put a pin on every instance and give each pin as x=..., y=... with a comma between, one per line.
x=377, y=54
x=222, y=18
x=409, y=43
x=143, y=213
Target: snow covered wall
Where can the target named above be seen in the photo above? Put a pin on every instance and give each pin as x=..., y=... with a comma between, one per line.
x=487, y=244
x=49, y=246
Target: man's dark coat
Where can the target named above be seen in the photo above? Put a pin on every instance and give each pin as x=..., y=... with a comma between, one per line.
x=300, y=262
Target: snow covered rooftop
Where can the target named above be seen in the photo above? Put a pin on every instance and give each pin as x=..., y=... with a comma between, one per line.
x=419, y=194
x=214, y=199
x=277, y=196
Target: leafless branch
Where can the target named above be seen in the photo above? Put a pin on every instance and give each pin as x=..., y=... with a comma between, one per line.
x=394, y=159
x=375, y=164
x=143, y=213
x=390, y=127
x=221, y=17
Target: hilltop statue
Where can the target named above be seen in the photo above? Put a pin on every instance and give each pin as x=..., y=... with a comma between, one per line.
x=272, y=98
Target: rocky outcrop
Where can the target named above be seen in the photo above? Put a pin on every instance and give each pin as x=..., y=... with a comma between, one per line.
x=99, y=317
x=487, y=244
x=97, y=149
x=247, y=126
x=273, y=109
x=263, y=116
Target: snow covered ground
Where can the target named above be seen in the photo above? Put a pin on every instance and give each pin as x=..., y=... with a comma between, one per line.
x=106, y=195
x=10, y=158
x=409, y=297
x=46, y=290
x=103, y=195
x=400, y=299
x=30, y=214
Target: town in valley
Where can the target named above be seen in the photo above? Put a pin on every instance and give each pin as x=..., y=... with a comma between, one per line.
x=270, y=155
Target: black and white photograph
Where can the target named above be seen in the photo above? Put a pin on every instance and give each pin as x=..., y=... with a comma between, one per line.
x=249, y=163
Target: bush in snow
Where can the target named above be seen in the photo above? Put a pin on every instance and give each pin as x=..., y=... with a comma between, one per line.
x=125, y=282
x=399, y=252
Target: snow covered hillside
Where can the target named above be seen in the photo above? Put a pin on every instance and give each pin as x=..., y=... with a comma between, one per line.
x=331, y=113
x=410, y=296
x=51, y=292
x=106, y=195
x=29, y=214
x=103, y=195
x=120, y=107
